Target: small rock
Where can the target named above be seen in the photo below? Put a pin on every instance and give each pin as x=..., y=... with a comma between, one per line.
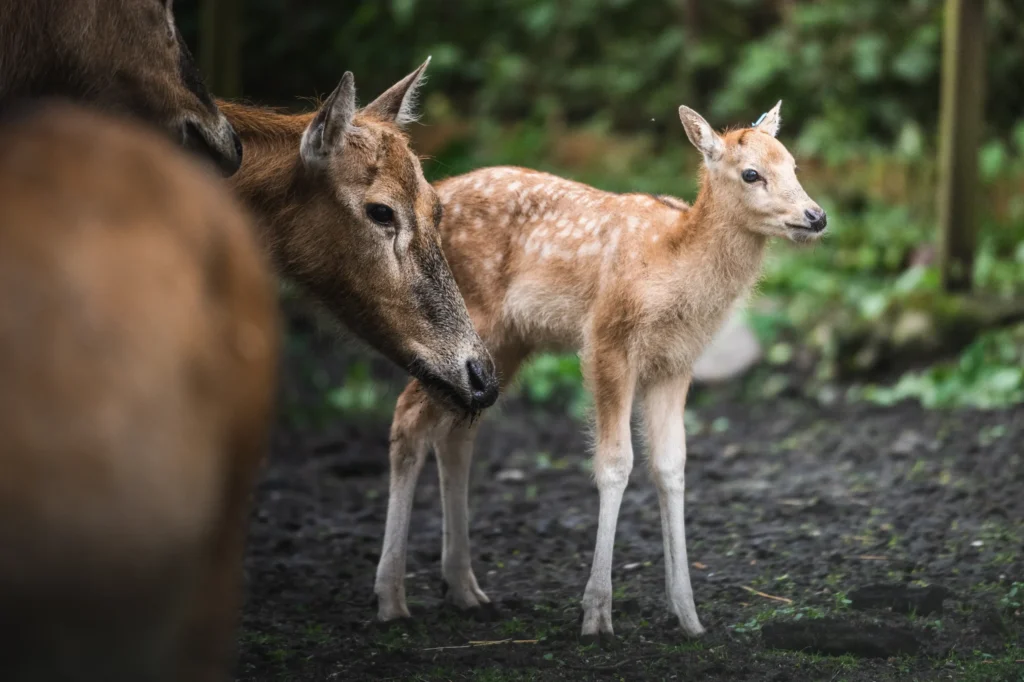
x=837, y=638
x=907, y=443
x=913, y=326
x=631, y=567
x=733, y=350
x=506, y=475
x=731, y=450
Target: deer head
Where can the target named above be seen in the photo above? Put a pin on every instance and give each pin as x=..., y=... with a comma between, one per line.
x=119, y=55
x=362, y=236
x=752, y=176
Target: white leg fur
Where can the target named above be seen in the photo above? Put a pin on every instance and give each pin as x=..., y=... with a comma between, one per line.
x=454, y=455
x=389, y=587
x=613, y=462
x=663, y=406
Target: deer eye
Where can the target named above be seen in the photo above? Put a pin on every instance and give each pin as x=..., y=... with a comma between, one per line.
x=380, y=214
x=750, y=175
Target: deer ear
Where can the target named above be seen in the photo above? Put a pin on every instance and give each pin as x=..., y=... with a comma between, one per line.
x=770, y=122
x=169, y=12
x=327, y=128
x=398, y=103
x=701, y=135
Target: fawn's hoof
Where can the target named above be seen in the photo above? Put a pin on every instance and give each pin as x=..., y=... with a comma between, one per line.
x=390, y=611
x=606, y=641
x=401, y=622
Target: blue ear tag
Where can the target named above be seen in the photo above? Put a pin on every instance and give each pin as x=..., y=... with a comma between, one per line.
x=758, y=121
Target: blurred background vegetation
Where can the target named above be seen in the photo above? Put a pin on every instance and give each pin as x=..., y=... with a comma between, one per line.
x=589, y=89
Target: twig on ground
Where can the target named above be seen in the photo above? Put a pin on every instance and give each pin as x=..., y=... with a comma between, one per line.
x=767, y=596
x=479, y=643
x=870, y=557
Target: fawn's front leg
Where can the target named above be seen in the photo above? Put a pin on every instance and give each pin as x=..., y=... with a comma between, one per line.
x=664, y=404
x=454, y=455
x=611, y=381
x=415, y=420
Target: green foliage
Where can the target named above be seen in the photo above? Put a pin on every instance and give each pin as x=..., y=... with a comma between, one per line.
x=555, y=379
x=1013, y=600
x=361, y=394
x=788, y=612
x=989, y=373
x=850, y=72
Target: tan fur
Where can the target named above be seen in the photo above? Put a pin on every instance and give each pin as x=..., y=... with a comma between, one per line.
x=120, y=56
x=390, y=284
x=637, y=284
x=138, y=349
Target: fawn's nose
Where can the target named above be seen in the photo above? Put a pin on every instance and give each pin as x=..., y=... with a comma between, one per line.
x=816, y=219
x=483, y=383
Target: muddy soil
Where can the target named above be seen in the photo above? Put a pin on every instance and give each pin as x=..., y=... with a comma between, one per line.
x=791, y=506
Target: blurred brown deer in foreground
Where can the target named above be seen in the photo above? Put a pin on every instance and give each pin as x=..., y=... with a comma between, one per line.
x=638, y=284
x=138, y=350
x=346, y=213
x=123, y=56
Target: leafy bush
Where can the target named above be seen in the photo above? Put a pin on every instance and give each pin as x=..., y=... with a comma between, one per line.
x=989, y=373
x=850, y=72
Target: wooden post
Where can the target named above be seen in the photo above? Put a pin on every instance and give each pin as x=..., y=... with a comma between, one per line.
x=220, y=46
x=962, y=117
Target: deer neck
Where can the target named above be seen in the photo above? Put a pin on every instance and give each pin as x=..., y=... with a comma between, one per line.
x=271, y=171
x=732, y=252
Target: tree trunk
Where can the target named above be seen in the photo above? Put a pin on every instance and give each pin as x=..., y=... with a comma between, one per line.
x=963, y=75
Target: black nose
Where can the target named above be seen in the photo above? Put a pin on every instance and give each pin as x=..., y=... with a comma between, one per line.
x=483, y=384
x=817, y=219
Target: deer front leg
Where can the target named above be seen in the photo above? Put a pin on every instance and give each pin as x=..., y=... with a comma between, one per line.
x=612, y=384
x=663, y=407
x=414, y=420
x=454, y=455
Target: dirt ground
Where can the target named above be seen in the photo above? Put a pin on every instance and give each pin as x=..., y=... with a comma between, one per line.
x=801, y=502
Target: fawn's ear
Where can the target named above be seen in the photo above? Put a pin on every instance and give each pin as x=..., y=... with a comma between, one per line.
x=770, y=122
x=327, y=128
x=398, y=103
x=703, y=137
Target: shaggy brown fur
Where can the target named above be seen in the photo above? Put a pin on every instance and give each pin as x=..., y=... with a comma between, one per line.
x=138, y=348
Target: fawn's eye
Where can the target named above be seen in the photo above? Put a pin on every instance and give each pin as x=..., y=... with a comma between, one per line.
x=380, y=214
x=750, y=175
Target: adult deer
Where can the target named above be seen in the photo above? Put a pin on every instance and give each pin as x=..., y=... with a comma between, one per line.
x=346, y=213
x=638, y=284
x=138, y=350
x=117, y=55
